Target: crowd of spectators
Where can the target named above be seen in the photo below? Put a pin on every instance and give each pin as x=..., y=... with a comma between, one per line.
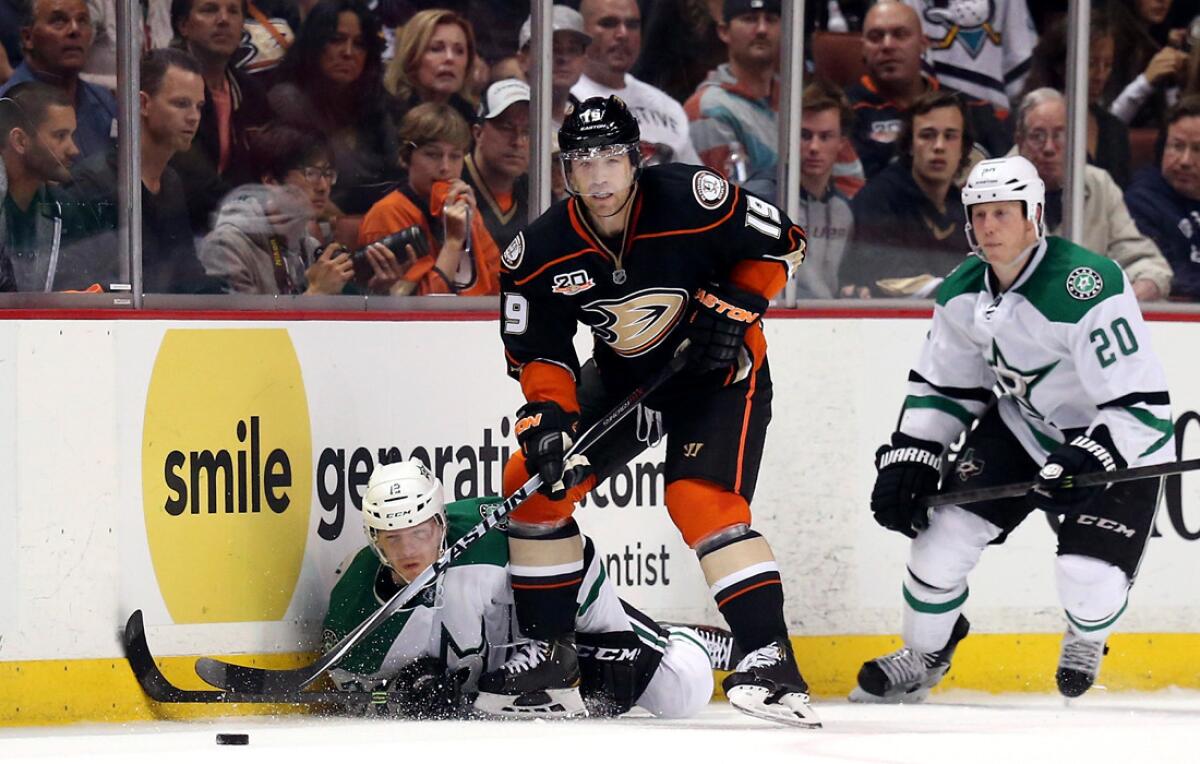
x=282, y=140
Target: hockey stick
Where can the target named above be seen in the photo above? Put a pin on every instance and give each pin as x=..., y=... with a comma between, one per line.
x=234, y=677
x=160, y=689
x=1081, y=481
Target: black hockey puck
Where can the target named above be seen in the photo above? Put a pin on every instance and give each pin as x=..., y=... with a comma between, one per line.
x=233, y=738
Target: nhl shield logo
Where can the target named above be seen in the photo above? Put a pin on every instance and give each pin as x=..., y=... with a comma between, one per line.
x=710, y=189
x=1084, y=283
x=514, y=253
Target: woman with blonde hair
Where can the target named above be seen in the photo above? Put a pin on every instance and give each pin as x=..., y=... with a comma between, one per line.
x=435, y=56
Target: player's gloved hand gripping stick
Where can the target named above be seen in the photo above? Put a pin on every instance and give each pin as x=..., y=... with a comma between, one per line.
x=231, y=676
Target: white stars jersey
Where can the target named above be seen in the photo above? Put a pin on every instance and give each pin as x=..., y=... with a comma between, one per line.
x=1066, y=343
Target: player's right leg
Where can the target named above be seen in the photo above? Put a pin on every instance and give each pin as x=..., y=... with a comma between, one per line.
x=940, y=559
x=935, y=590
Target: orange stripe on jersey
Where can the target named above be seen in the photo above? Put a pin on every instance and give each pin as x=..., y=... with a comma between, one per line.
x=685, y=231
x=757, y=344
x=759, y=276
x=541, y=381
x=551, y=264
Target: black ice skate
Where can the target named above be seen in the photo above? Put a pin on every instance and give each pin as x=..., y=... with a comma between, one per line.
x=767, y=684
x=541, y=679
x=1078, y=664
x=723, y=652
x=906, y=676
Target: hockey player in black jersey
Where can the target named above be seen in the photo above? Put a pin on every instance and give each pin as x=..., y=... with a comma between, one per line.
x=646, y=258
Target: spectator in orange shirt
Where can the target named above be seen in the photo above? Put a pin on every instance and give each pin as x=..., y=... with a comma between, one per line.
x=463, y=257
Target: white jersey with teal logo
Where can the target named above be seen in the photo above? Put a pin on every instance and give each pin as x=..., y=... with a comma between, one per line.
x=1066, y=343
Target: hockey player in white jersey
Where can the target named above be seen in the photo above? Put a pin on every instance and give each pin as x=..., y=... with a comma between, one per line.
x=429, y=655
x=1060, y=330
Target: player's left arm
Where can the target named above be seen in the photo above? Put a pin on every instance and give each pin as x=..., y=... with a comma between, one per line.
x=765, y=247
x=1119, y=370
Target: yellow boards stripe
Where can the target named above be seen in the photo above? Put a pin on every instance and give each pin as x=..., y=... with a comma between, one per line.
x=58, y=692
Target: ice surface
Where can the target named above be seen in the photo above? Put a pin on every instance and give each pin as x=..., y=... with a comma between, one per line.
x=957, y=727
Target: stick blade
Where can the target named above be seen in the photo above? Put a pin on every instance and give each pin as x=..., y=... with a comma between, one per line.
x=251, y=679
x=156, y=686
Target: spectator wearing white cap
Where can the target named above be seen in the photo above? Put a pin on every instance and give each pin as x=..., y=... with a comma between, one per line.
x=570, y=45
x=497, y=168
x=615, y=27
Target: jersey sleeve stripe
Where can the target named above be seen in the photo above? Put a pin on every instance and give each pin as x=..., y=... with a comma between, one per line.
x=551, y=264
x=981, y=394
x=1155, y=423
x=939, y=403
x=702, y=229
x=1157, y=398
x=1045, y=441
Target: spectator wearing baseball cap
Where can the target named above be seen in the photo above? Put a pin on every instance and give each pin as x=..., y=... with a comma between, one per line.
x=497, y=168
x=570, y=44
x=615, y=27
x=735, y=110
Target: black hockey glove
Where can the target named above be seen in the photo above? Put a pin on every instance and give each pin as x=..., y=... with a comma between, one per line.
x=545, y=432
x=720, y=318
x=425, y=689
x=908, y=469
x=1055, y=490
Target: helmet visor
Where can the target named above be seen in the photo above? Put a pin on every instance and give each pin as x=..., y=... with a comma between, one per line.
x=601, y=170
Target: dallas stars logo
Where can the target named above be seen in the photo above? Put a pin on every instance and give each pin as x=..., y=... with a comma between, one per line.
x=1084, y=284
x=1018, y=383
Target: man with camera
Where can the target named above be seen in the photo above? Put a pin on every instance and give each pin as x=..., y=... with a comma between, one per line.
x=261, y=243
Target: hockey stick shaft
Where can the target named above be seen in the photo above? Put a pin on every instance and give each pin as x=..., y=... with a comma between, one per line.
x=248, y=679
x=1081, y=481
x=160, y=689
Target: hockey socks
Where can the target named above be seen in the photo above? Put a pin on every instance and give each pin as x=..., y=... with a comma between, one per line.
x=930, y=613
x=1093, y=593
x=744, y=580
x=546, y=567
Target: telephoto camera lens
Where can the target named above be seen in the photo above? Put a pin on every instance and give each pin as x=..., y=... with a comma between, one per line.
x=396, y=243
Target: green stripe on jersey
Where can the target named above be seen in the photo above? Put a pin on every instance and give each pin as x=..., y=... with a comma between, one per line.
x=1044, y=440
x=1162, y=425
x=593, y=593
x=1046, y=288
x=688, y=636
x=939, y=403
x=934, y=607
x=967, y=278
x=647, y=635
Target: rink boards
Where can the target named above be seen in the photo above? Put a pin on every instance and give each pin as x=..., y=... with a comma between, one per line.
x=115, y=429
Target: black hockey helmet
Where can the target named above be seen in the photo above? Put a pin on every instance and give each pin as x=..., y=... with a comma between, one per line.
x=596, y=123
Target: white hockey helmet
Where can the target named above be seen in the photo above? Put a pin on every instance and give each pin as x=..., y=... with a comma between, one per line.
x=1006, y=179
x=402, y=495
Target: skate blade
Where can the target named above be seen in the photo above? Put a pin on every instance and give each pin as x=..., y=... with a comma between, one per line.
x=859, y=695
x=541, y=704
x=792, y=708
